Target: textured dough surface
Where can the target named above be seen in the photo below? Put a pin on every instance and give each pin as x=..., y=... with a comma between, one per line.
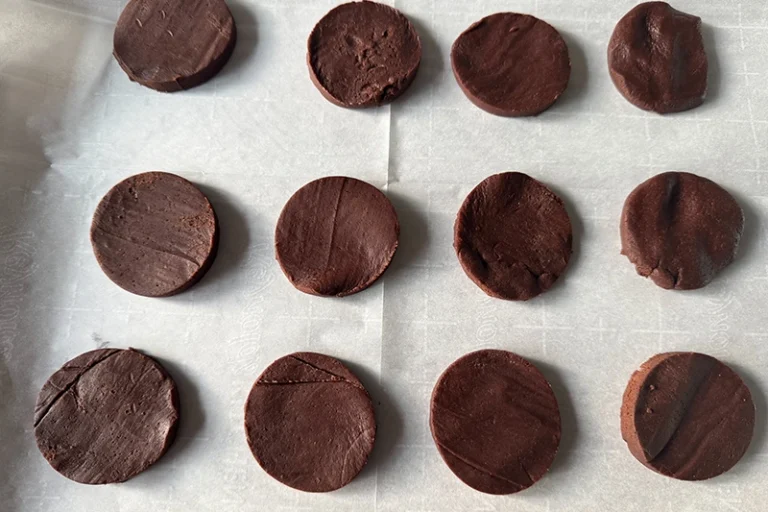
x=657, y=59
x=513, y=236
x=170, y=45
x=511, y=64
x=363, y=54
x=310, y=423
x=336, y=236
x=106, y=416
x=687, y=416
x=680, y=230
x=154, y=234
x=495, y=421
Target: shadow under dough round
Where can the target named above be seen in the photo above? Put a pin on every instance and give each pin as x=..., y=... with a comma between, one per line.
x=363, y=54
x=106, y=416
x=171, y=45
x=154, y=234
x=687, y=416
x=511, y=64
x=513, y=236
x=657, y=59
x=310, y=423
x=680, y=230
x=495, y=421
x=336, y=236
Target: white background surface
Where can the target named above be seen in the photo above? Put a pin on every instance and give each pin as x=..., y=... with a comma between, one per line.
x=72, y=125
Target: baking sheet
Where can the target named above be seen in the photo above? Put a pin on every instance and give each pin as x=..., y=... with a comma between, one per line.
x=72, y=125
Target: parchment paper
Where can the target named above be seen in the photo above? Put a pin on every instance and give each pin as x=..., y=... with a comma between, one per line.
x=72, y=125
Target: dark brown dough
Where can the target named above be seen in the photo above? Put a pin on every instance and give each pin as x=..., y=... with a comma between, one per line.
x=310, y=423
x=106, y=416
x=680, y=229
x=170, y=45
x=687, y=416
x=363, y=54
x=513, y=236
x=154, y=234
x=336, y=236
x=657, y=59
x=495, y=421
x=511, y=64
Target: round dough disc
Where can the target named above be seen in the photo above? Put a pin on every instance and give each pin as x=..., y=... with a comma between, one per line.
x=687, y=416
x=363, y=54
x=336, y=236
x=154, y=234
x=511, y=64
x=170, y=45
x=310, y=422
x=513, y=236
x=106, y=416
x=495, y=421
x=680, y=230
x=657, y=59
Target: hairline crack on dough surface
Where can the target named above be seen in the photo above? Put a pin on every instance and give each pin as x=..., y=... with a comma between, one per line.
x=495, y=421
x=511, y=64
x=687, y=416
x=363, y=54
x=336, y=236
x=155, y=234
x=310, y=423
x=657, y=58
x=106, y=416
x=172, y=45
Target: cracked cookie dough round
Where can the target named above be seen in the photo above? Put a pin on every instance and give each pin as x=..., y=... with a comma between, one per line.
x=363, y=54
x=680, y=230
x=511, y=64
x=495, y=421
x=513, y=236
x=687, y=416
x=154, y=234
x=657, y=59
x=171, y=45
x=310, y=423
x=336, y=236
x=106, y=416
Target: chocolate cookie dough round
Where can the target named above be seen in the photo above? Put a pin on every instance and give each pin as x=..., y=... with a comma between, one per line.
x=513, y=236
x=680, y=230
x=106, y=416
x=310, y=422
x=511, y=64
x=657, y=59
x=687, y=415
x=363, y=54
x=170, y=45
x=336, y=236
x=495, y=421
x=154, y=234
